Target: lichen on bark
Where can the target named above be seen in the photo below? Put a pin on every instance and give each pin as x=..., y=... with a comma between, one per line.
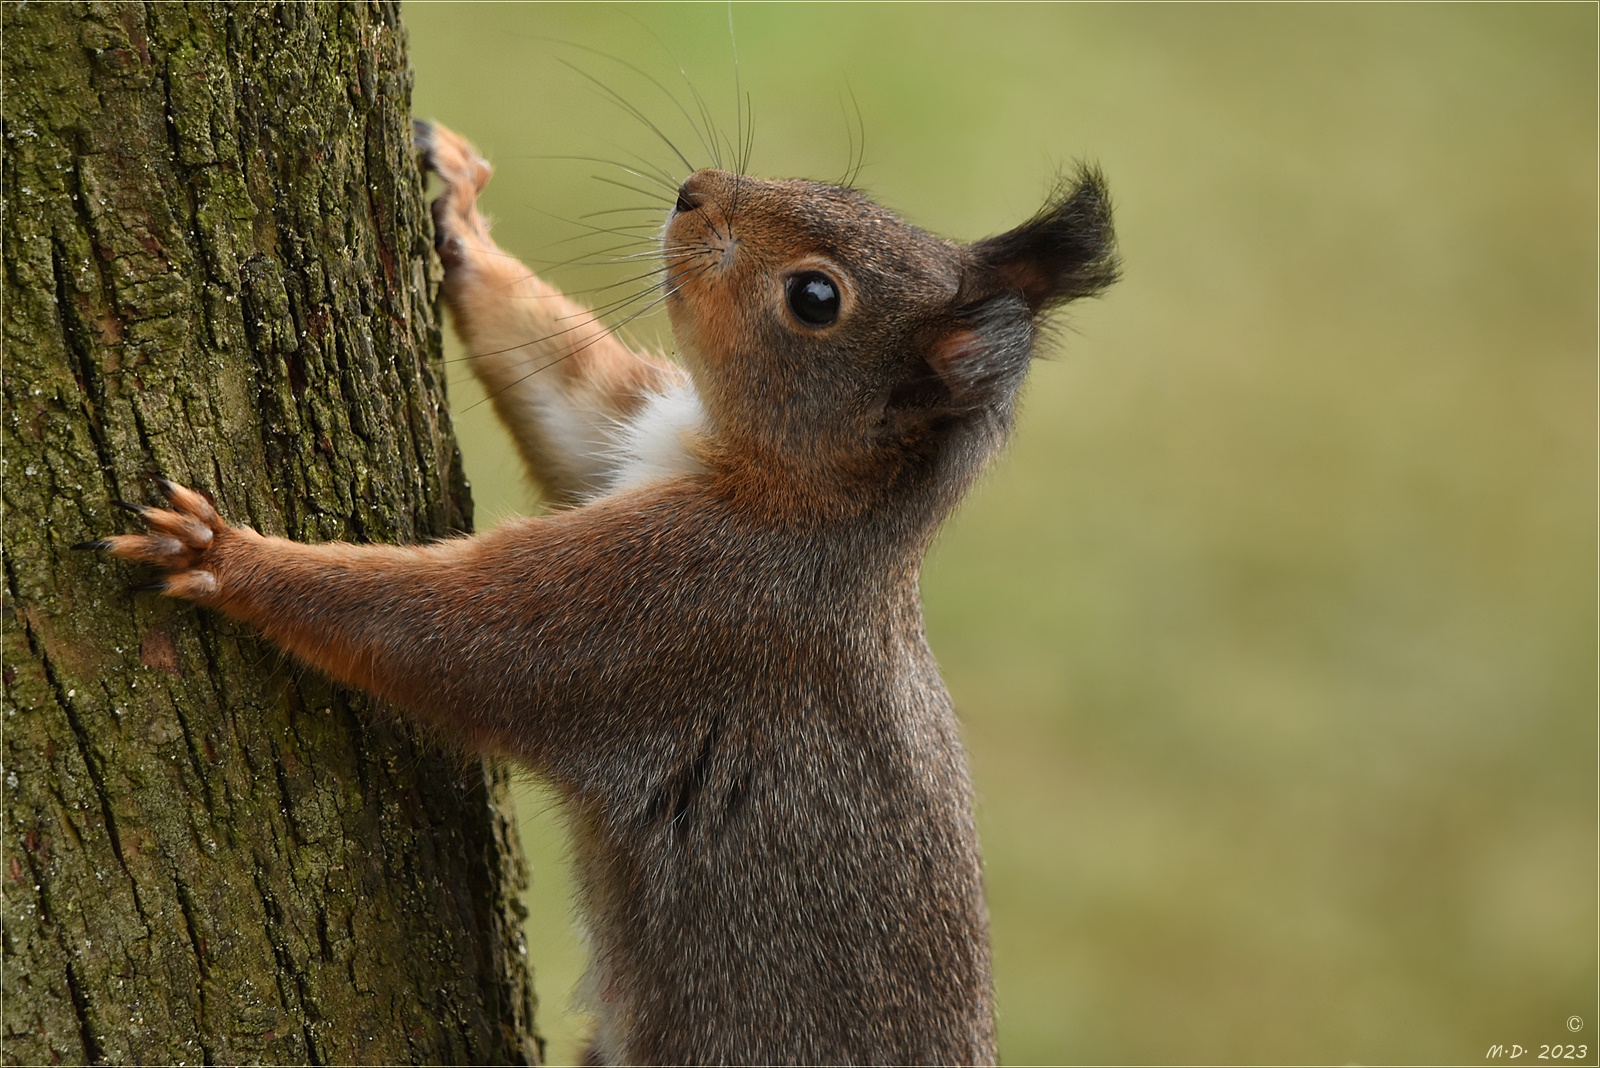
x=217, y=265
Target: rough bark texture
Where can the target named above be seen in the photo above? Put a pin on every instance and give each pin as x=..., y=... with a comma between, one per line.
x=218, y=267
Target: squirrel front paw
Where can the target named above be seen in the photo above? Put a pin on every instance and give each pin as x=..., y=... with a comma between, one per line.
x=181, y=542
x=456, y=221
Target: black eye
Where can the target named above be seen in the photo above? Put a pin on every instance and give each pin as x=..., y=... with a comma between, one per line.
x=813, y=298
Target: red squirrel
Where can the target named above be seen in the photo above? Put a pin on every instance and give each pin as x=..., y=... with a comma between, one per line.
x=715, y=648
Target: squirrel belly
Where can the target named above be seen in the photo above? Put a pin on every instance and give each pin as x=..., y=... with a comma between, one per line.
x=714, y=646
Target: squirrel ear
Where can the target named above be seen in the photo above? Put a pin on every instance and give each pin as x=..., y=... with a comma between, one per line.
x=985, y=354
x=1066, y=251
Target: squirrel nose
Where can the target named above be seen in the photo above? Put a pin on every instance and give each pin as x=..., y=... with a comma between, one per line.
x=687, y=201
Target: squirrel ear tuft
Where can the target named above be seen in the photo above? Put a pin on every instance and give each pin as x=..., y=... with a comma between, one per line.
x=1068, y=250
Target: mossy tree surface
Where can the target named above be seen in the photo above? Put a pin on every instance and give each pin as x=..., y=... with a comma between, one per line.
x=218, y=267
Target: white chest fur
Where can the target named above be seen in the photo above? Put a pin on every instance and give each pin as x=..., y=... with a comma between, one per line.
x=658, y=442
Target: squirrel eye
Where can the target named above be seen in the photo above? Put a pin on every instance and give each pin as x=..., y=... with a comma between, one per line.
x=813, y=298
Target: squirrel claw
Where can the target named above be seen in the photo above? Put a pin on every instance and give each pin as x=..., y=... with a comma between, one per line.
x=178, y=541
x=463, y=173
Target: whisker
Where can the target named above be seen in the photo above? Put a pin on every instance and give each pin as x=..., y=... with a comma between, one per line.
x=592, y=320
x=738, y=92
x=633, y=239
x=750, y=136
x=674, y=250
x=625, y=185
x=670, y=179
x=670, y=186
x=591, y=229
x=647, y=77
x=584, y=260
x=500, y=252
x=850, y=139
x=604, y=308
x=706, y=117
x=607, y=332
x=593, y=317
x=618, y=99
x=665, y=267
x=557, y=294
x=700, y=103
x=861, y=125
x=615, y=211
x=579, y=261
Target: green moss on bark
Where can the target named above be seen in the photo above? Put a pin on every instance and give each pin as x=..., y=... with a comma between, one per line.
x=218, y=266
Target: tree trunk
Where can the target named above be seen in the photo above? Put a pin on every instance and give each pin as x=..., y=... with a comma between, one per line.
x=218, y=267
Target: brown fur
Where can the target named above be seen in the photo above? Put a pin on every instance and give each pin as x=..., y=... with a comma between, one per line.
x=724, y=673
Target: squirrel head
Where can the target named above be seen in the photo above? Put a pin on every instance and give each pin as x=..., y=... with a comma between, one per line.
x=841, y=349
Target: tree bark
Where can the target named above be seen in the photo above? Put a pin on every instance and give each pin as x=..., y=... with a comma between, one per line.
x=218, y=267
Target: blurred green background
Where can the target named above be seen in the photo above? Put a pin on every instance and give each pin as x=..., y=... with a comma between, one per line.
x=1274, y=633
